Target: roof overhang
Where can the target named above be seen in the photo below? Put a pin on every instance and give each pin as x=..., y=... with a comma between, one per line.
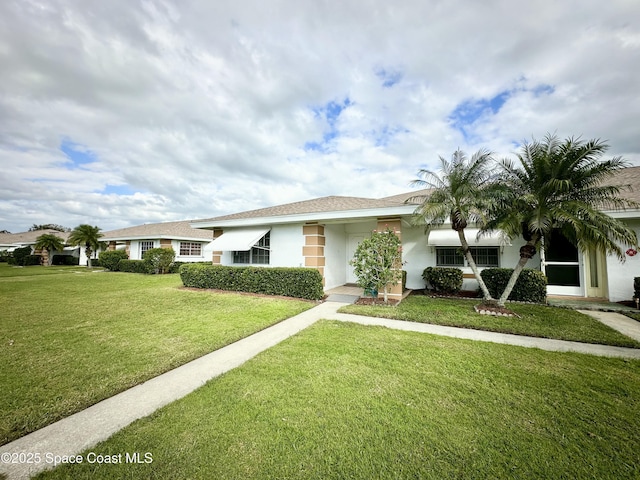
x=156, y=237
x=450, y=238
x=337, y=216
x=239, y=240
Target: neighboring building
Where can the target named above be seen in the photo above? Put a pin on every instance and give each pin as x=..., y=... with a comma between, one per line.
x=323, y=233
x=10, y=241
x=190, y=244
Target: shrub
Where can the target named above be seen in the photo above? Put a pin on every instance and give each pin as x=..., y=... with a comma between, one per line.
x=377, y=261
x=30, y=260
x=636, y=287
x=111, y=258
x=4, y=256
x=175, y=267
x=19, y=255
x=134, y=266
x=289, y=282
x=443, y=279
x=531, y=285
x=160, y=259
x=65, y=260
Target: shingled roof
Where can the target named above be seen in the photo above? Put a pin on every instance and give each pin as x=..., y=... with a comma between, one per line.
x=315, y=205
x=27, y=238
x=179, y=230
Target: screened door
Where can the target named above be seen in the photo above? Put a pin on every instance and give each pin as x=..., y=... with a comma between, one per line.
x=562, y=266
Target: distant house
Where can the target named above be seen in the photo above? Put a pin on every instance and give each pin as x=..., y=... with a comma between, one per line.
x=190, y=244
x=323, y=233
x=10, y=241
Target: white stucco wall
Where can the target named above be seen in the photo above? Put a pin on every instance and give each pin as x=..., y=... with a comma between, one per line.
x=621, y=274
x=286, y=247
x=417, y=256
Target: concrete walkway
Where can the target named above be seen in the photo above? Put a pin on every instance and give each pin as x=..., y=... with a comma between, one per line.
x=85, y=429
x=625, y=325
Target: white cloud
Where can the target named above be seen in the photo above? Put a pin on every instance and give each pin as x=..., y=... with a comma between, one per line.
x=204, y=108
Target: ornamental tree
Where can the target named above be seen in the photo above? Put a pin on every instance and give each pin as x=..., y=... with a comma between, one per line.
x=160, y=259
x=377, y=261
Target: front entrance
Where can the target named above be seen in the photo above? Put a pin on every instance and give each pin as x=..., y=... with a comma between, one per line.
x=562, y=266
x=353, y=241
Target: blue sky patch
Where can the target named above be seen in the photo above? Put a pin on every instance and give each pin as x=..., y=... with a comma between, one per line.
x=117, y=190
x=467, y=113
x=329, y=113
x=384, y=135
x=389, y=77
x=78, y=154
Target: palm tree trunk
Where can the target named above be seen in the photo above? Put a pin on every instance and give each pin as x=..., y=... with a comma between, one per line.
x=88, y=253
x=474, y=268
x=526, y=252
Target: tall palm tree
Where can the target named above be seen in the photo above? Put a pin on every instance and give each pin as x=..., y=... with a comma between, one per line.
x=88, y=237
x=463, y=192
x=50, y=243
x=564, y=186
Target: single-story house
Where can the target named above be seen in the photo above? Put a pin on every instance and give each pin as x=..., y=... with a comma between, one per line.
x=10, y=241
x=190, y=244
x=323, y=233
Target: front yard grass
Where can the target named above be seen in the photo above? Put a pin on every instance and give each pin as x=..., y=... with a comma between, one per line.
x=70, y=340
x=341, y=400
x=534, y=321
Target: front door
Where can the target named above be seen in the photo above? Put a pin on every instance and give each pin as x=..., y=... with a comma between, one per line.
x=596, y=274
x=562, y=266
x=353, y=241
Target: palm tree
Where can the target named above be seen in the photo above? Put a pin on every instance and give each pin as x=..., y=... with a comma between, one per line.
x=562, y=186
x=463, y=193
x=87, y=236
x=50, y=243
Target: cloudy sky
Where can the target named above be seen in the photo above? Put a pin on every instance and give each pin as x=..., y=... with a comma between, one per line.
x=123, y=112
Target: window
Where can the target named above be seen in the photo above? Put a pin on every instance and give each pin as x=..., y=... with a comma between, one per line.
x=190, y=249
x=452, y=257
x=144, y=246
x=449, y=257
x=485, y=256
x=259, y=254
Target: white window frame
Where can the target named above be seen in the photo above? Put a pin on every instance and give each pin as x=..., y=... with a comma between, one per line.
x=192, y=249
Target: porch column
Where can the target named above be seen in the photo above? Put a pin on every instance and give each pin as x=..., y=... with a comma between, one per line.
x=112, y=246
x=128, y=248
x=165, y=243
x=216, y=258
x=313, y=249
x=395, y=224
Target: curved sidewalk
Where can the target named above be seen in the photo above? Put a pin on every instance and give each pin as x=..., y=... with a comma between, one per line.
x=85, y=429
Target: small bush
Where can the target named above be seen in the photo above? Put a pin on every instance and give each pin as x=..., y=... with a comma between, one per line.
x=65, y=260
x=175, y=267
x=636, y=287
x=30, y=260
x=4, y=256
x=443, y=279
x=531, y=285
x=18, y=256
x=289, y=282
x=135, y=266
x=111, y=258
x=160, y=259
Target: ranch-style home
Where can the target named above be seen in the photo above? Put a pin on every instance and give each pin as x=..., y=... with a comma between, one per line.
x=190, y=244
x=10, y=241
x=323, y=233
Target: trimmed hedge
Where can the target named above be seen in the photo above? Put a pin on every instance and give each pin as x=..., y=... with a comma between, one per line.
x=531, y=285
x=111, y=258
x=65, y=260
x=290, y=282
x=636, y=287
x=443, y=279
x=31, y=260
x=135, y=266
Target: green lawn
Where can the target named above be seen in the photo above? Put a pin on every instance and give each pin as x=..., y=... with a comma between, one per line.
x=70, y=337
x=341, y=400
x=535, y=320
